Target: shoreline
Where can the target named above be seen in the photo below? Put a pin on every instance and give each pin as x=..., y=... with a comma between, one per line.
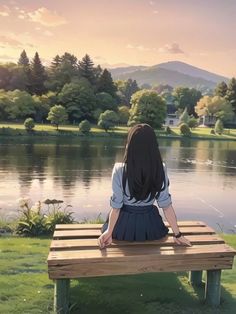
x=70, y=131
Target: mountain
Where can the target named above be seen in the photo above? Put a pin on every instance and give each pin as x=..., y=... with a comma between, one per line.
x=174, y=73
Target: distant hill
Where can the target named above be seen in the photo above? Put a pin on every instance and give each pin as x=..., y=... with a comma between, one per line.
x=174, y=73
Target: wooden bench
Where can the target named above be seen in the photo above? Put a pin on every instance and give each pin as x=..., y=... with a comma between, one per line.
x=74, y=253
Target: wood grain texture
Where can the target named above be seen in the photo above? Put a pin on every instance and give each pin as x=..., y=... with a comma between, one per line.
x=93, y=233
x=75, y=252
x=182, y=223
x=73, y=244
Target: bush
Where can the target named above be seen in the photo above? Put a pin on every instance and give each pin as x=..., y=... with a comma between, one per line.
x=29, y=124
x=184, y=129
x=212, y=131
x=219, y=127
x=84, y=127
x=192, y=123
x=168, y=130
x=108, y=119
x=33, y=221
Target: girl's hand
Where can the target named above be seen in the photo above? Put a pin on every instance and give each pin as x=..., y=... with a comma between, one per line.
x=182, y=241
x=105, y=239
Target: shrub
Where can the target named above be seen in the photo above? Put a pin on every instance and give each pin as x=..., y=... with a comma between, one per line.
x=192, y=123
x=84, y=127
x=212, y=131
x=168, y=130
x=29, y=124
x=33, y=221
x=108, y=119
x=184, y=129
x=219, y=127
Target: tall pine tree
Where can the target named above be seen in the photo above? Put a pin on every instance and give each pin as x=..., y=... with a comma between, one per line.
x=87, y=70
x=23, y=60
x=221, y=89
x=38, y=76
x=24, y=71
x=106, y=84
x=231, y=93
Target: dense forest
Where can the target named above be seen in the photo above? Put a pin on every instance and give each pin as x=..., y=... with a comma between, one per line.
x=77, y=90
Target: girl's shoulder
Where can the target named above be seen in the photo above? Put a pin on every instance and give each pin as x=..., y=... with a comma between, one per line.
x=118, y=167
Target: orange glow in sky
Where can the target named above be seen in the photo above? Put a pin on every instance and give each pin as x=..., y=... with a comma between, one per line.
x=133, y=32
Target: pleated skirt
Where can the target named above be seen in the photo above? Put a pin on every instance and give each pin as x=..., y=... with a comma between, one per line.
x=138, y=223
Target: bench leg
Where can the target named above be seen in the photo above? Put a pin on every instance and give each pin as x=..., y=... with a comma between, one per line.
x=195, y=277
x=61, y=296
x=212, y=287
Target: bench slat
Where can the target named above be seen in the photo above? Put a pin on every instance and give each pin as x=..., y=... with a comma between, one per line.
x=142, y=251
x=184, y=223
x=71, y=244
x=155, y=263
x=93, y=233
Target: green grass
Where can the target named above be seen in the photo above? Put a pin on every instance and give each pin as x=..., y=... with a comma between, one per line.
x=70, y=130
x=26, y=289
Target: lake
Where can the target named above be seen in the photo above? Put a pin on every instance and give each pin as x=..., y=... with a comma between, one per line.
x=202, y=176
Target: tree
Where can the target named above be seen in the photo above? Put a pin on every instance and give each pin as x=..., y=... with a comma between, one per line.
x=38, y=76
x=147, y=107
x=24, y=60
x=231, y=93
x=216, y=106
x=219, y=127
x=184, y=129
x=105, y=101
x=163, y=88
x=86, y=69
x=21, y=105
x=84, y=126
x=187, y=98
x=29, y=124
x=106, y=84
x=126, y=89
x=221, y=89
x=192, y=123
x=123, y=114
x=63, y=70
x=79, y=100
x=184, y=117
x=57, y=115
x=108, y=120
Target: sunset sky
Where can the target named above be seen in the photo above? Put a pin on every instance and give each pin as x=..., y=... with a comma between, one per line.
x=133, y=32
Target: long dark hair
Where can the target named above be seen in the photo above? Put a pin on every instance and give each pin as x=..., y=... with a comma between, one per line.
x=143, y=167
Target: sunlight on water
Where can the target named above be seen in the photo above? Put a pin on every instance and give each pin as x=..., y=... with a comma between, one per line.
x=202, y=176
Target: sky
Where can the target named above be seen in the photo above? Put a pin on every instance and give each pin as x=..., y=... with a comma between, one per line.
x=123, y=32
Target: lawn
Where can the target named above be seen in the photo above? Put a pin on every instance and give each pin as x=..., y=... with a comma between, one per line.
x=48, y=129
x=26, y=289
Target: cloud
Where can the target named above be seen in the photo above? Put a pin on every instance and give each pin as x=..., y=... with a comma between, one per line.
x=155, y=12
x=46, y=17
x=152, y=3
x=9, y=41
x=173, y=48
x=7, y=58
x=4, y=10
x=139, y=47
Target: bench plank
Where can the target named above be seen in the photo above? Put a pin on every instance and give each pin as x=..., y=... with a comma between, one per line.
x=94, y=233
x=73, y=244
x=142, y=251
x=188, y=223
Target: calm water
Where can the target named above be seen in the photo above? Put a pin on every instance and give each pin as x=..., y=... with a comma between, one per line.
x=202, y=176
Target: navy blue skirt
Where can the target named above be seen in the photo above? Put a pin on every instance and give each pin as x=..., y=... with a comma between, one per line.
x=138, y=223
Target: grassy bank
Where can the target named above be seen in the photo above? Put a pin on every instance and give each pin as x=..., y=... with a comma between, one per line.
x=26, y=289
x=11, y=129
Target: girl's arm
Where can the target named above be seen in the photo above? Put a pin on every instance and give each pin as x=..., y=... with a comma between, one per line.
x=113, y=216
x=172, y=220
x=105, y=238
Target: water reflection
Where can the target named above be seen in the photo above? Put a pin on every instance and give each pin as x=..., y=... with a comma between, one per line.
x=202, y=175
